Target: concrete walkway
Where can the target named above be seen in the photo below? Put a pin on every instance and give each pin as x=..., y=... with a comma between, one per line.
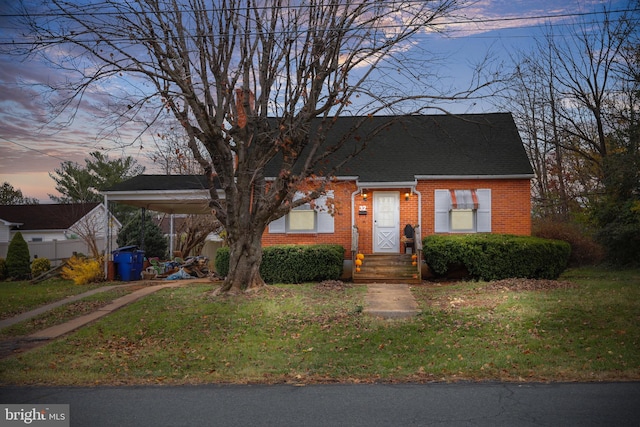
x=48, y=307
x=64, y=328
x=390, y=301
x=23, y=343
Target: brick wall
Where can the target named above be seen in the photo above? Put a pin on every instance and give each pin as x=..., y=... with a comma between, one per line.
x=510, y=211
x=510, y=203
x=342, y=224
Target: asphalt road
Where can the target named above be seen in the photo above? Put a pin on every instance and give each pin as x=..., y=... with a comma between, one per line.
x=459, y=404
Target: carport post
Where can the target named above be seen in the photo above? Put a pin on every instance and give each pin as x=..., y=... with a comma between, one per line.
x=171, y=235
x=107, y=237
x=143, y=213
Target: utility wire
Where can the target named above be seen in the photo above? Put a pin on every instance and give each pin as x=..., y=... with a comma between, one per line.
x=33, y=149
x=6, y=41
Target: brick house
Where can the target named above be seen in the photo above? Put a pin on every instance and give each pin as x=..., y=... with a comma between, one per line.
x=436, y=173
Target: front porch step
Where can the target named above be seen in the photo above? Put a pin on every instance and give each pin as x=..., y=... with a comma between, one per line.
x=387, y=268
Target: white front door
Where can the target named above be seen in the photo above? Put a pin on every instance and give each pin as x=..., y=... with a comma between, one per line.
x=386, y=221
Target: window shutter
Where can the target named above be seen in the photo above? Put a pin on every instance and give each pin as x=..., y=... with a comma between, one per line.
x=278, y=226
x=442, y=201
x=484, y=210
x=324, y=218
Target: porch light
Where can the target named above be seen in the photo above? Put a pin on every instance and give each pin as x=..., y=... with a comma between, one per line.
x=364, y=195
x=407, y=195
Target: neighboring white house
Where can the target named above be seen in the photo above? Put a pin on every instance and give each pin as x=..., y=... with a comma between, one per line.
x=56, y=231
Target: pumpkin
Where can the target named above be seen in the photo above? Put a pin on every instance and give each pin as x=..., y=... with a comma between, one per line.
x=358, y=262
x=357, y=269
x=414, y=263
x=360, y=256
x=414, y=256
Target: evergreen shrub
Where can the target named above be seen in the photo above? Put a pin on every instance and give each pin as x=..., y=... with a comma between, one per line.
x=497, y=256
x=293, y=263
x=155, y=243
x=18, y=258
x=3, y=269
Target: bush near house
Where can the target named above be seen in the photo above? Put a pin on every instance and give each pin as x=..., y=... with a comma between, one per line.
x=18, y=258
x=83, y=270
x=497, y=256
x=584, y=249
x=293, y=263
x=39, y=266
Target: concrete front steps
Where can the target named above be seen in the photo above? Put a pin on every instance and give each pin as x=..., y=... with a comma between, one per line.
x=387, y=268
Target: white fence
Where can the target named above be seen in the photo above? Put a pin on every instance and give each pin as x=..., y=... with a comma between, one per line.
x=56, y=250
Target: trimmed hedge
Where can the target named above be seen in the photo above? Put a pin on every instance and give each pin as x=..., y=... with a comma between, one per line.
x=497, y=256
x=293, y=263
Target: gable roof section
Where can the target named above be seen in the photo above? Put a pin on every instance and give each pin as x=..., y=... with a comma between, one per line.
x=45, y=216
x=402, y=148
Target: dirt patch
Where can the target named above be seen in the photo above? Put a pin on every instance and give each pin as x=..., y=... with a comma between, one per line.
x=516, y=284
x=332, y=285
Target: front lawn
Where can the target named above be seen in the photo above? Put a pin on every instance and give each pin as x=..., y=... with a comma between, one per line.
x=585, y=330
x=21, y=296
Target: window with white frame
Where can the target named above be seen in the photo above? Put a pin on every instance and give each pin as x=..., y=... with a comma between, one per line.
x=462, y=211
x=306, y=218
x=302, y=219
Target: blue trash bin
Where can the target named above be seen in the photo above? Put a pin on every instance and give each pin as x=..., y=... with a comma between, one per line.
x=137, y=264
x=125, y=262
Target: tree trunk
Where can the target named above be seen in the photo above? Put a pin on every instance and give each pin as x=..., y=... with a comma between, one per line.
x=244, y=264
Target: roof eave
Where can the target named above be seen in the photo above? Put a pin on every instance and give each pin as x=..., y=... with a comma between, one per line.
x=385, y=184
x=153, y=194
x=448, y=177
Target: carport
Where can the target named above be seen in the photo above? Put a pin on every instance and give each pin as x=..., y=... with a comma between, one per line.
x=171, y=194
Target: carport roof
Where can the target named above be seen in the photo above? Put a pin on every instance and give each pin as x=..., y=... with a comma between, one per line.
x=179, y=194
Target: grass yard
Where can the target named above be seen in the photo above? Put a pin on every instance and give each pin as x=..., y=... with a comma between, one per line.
x=22, y=296
x=63, y=313
x=586, y=329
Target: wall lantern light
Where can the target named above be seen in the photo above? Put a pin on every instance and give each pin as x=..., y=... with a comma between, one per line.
x=406, y=196
x=364, y=195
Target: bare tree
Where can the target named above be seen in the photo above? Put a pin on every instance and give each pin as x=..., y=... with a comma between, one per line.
x=566, y=96
x=173, y=156
x=585, y=73
x=250, y=81
x=171, y=153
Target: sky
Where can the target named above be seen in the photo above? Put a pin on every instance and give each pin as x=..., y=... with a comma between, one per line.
x=34, y=142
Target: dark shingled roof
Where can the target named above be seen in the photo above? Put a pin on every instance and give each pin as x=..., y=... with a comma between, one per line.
x=399, y=148
x=45, y=217
x=161, y=182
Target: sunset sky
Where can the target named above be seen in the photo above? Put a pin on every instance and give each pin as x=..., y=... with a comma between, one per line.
x=33, y=143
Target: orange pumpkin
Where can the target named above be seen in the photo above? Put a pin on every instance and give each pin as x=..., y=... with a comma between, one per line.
x=358, y=262
x=360, y=256
x=414, y=263
x=357, y=269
